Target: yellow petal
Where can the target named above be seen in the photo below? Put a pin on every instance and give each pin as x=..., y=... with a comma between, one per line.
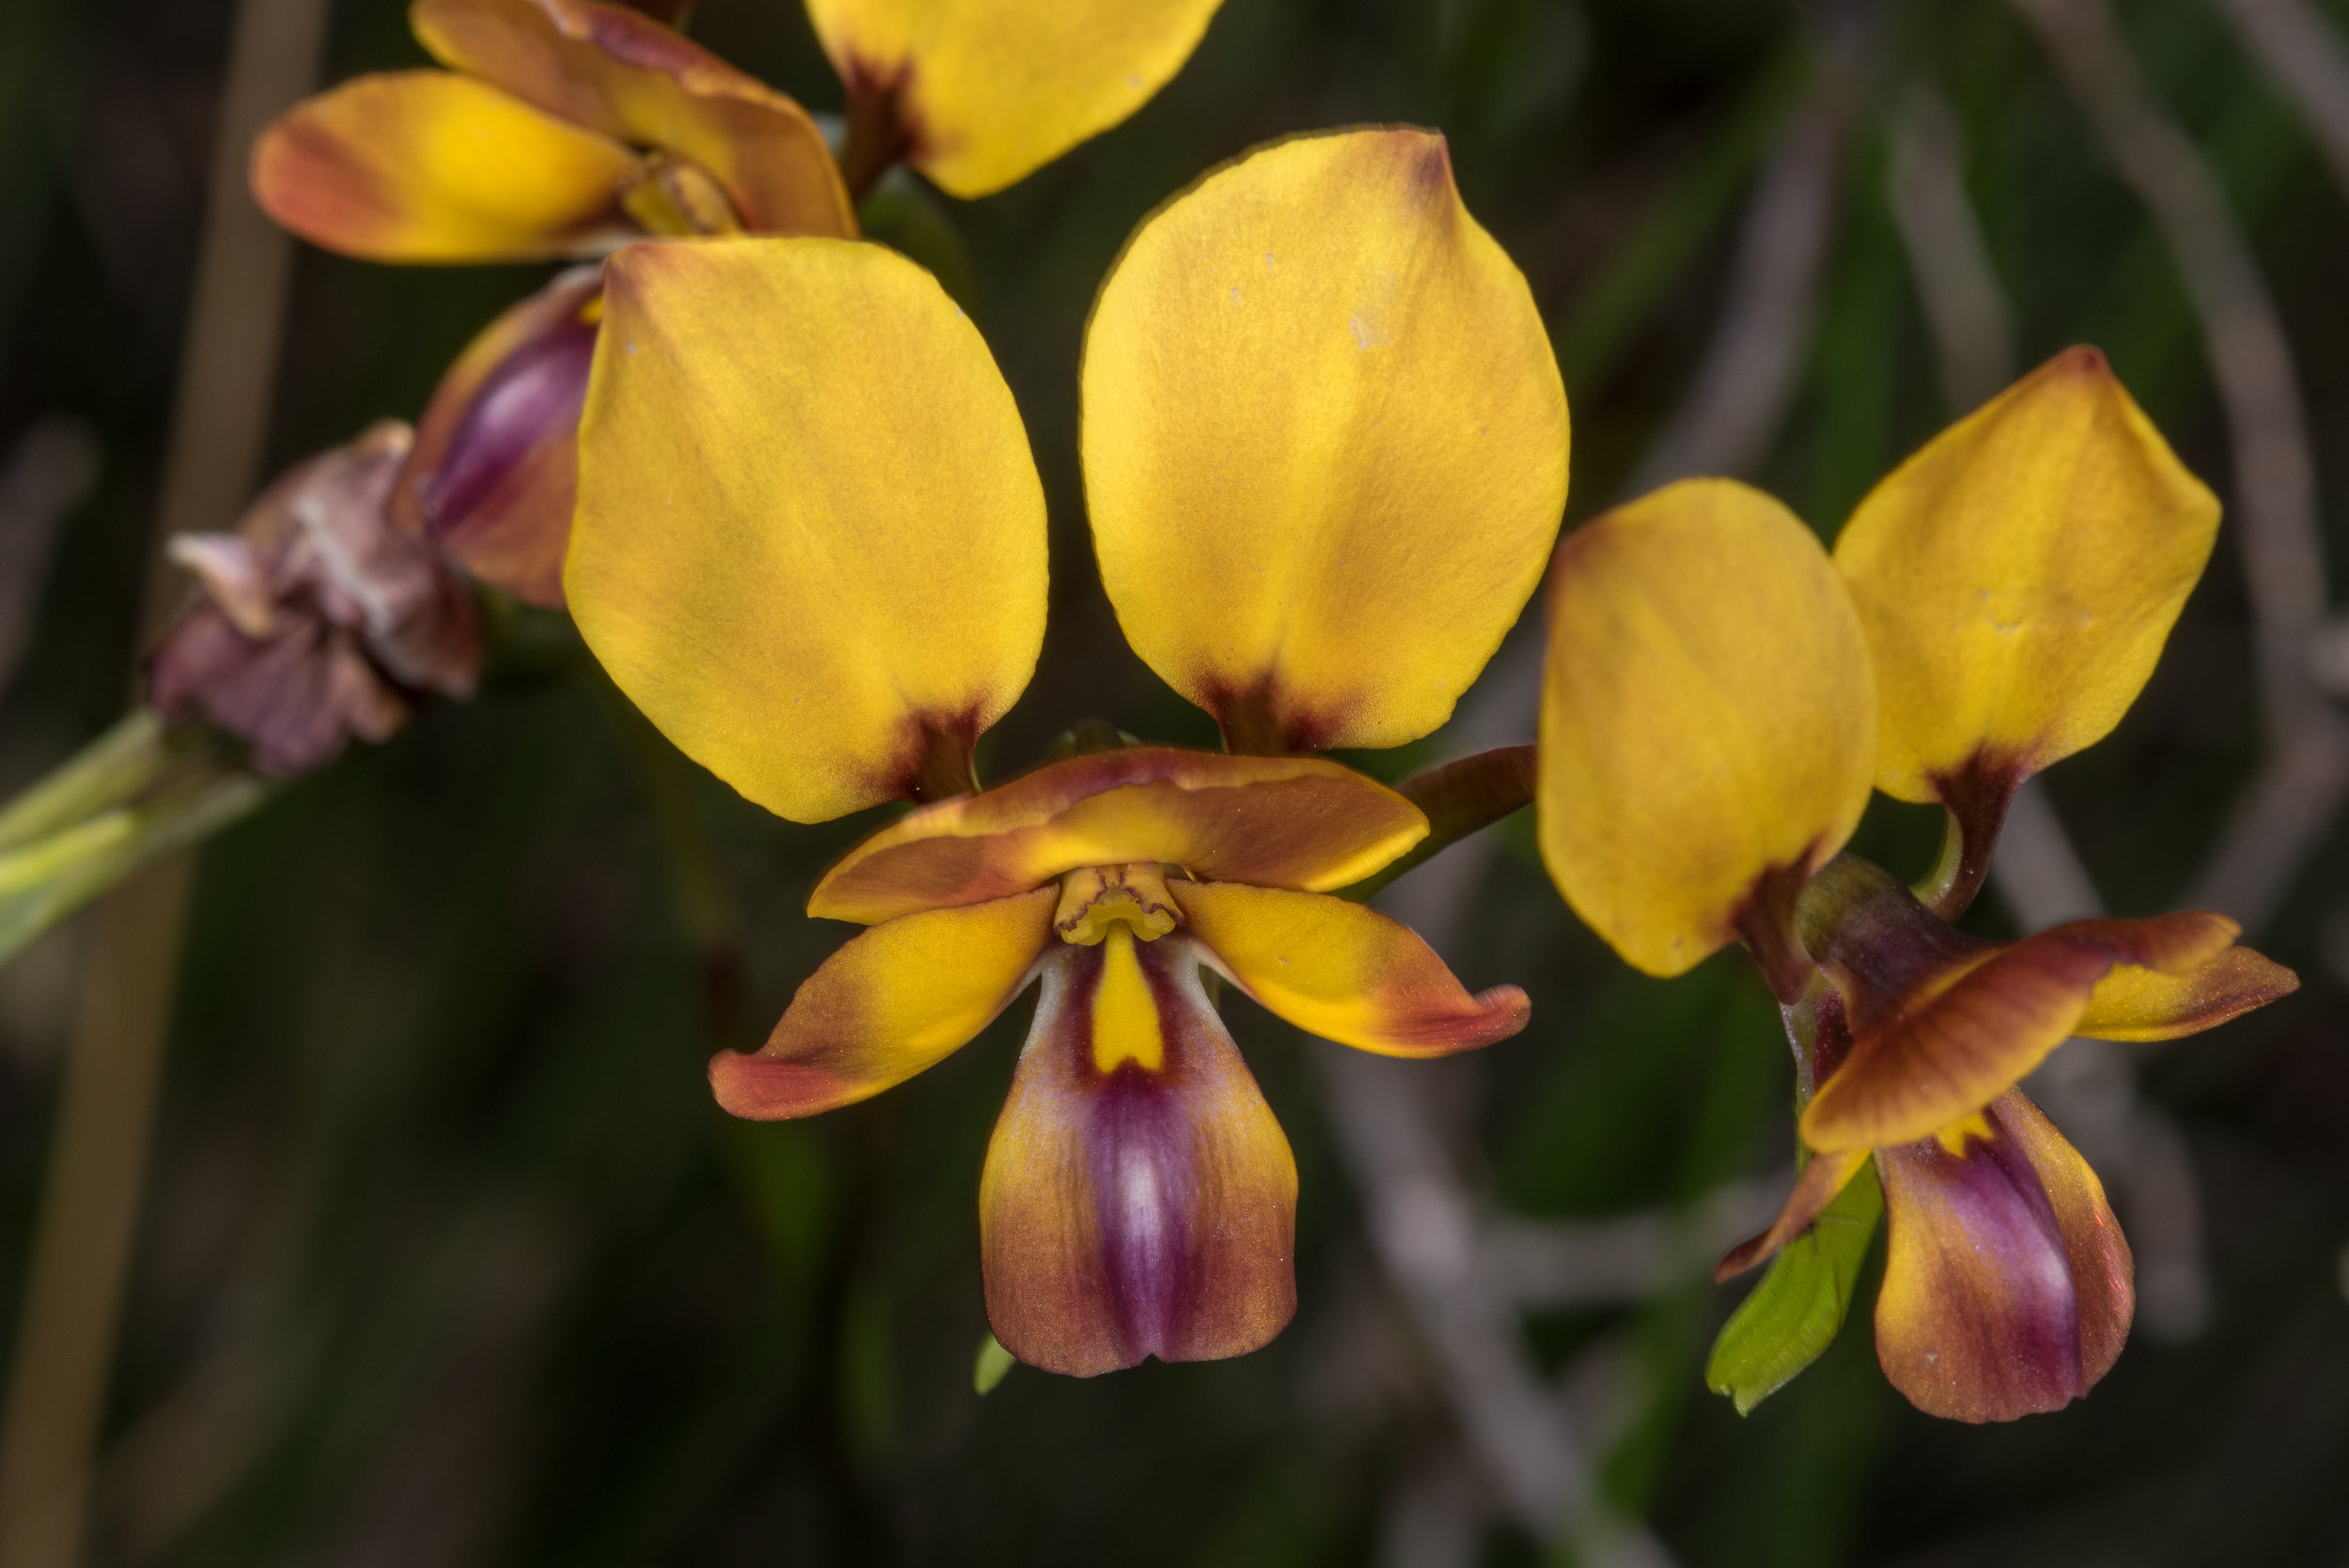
x=810, y=539
x=893, y=1001
x=2134, y=1003
x=1344, y=972
x=986, y=94
x=421, y=165
x=1298, y=822
x=623, y=74
x=1706, y=717
x=1325, y=441
x=2018, y=576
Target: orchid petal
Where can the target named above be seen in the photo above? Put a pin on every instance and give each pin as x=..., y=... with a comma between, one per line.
x=2008, y=1287
x=1940, y=1049
x=1300, y=822
x=1138, y=1198
x=2018, y=576
x=893, y=1001
x=494, y=475
x=1707, y=721
x=2136, y=1003
x=983, y=95
x=810, y=539
x=1814, y=1189
x=1344, y=972
x=621, y=73
x=1325, y=441
x=421, y=165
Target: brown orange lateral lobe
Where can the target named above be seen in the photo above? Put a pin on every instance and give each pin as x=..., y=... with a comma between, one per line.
x=2008, y=1287
x=1133, y=1211
x=1276, y=821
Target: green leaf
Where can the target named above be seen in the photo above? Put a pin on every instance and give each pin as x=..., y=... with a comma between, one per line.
x=1793, y=1314
x=995, y=1360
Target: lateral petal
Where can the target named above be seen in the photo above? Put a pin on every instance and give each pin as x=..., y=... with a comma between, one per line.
x=621, y=72
x=1300, y=822
x=2008, y=1287
x=810, y=540
x=894, y=1001
x=422, y=165
x=2137, y=1004
x=1128, y=1209
x=1954, y=1041
x=985, y=95
x=1344, y=970
x=1707, y=717
x=1324, y=441
x=494, y=474
x=2018, y=576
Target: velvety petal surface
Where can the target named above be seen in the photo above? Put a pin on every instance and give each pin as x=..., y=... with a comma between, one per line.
x=810, y=539
x=894, y=1001
x=1957, y=1040
x=621, y=73
x=1299, y=822
x=423, y=165
x=2018, y=576
x=1138, y=1198
x=1325, y=441
x=2134, y=1004
x=1342, y=971
x=1707, y=717
x=985, y=93
x=2008, y=1287
x=494, y=474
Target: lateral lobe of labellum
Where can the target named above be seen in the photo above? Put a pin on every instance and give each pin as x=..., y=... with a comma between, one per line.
x=1131, y=1206
x=2008, y=1286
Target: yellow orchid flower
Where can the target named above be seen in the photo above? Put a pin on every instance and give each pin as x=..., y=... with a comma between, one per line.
x=1721, y=698
x=568, y=128
x=1325, y=453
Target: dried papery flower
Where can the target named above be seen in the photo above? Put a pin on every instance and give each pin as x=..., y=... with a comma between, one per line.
x=317, y=621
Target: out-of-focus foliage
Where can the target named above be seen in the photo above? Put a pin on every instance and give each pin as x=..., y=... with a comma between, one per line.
x=448, y=1257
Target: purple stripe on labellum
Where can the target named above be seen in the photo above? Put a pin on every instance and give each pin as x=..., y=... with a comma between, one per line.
x=1139, y=1199
x=2006, y=1287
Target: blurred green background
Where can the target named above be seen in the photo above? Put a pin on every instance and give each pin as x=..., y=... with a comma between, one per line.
x=447, y=1257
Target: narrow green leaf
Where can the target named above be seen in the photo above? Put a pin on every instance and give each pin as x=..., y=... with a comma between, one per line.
x=1793, y=1314
x=995, y=1360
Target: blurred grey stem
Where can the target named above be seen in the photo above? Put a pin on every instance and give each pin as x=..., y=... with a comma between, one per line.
x=2299, y=49
x=1973, y=329
x=2279, y=817
x=89, y=1205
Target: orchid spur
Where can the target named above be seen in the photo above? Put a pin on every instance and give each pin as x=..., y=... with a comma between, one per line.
x=1721, y=697
x=1325, y=457
x=563, y=128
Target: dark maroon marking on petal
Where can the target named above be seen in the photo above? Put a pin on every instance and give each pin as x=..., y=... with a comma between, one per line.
x=1882, y=944
x=1164, y=1244
x=883, y=127
x=1977, y=794
x=1266, y=721
x=1979, y=1319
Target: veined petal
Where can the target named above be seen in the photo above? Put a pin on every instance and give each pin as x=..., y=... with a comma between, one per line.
x=985, y=95
x=2018, y=576
x=421, y=165
x=628, y=76
x=1139, y=1199
x=1947, y=1044
x=2135, y=1003
x=1325, y=441
x=2008, y=1287
x=1344, y=972
x=810, y=539
x=1707, y=717
x=894, y=1001
x=494, y=474
x=1299, y=822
